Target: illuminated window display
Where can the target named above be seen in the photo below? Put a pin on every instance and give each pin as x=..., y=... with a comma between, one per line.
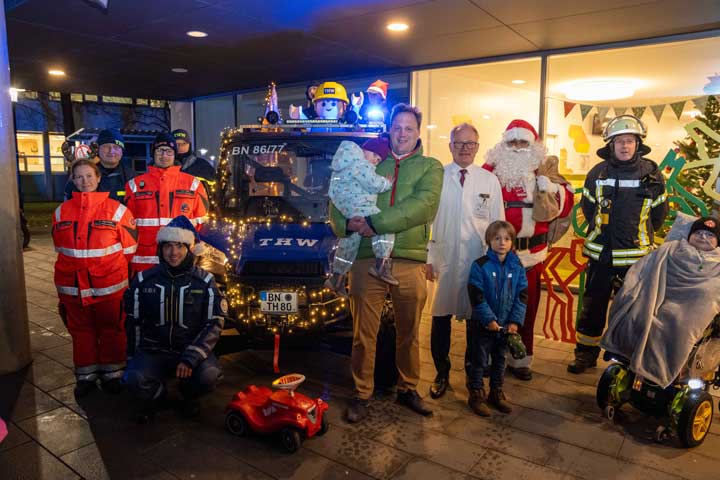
x=489, y=96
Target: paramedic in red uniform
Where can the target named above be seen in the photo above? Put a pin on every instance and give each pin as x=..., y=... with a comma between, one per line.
x=514, y=161
x=160, y=195
x=95, y=237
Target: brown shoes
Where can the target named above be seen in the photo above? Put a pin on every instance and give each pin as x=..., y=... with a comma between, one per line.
x=498, y=400
x=476, y=402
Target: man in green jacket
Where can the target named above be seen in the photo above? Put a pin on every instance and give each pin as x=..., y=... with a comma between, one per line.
x=407, y=211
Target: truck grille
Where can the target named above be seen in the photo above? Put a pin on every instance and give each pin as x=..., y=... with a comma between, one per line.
x=283, y=269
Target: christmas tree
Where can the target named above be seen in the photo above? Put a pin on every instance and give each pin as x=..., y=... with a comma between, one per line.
x=693, y=178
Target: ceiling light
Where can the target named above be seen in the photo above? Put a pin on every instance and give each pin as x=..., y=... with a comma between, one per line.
x=600, y=89
x=57, y=73
x=180, y=70
x=518, y=82
x=397, y=26
x=486, y=117
x=196, y=34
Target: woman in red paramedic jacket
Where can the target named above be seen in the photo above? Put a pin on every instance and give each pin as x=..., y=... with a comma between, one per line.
x=160, y=195
x=95, y=237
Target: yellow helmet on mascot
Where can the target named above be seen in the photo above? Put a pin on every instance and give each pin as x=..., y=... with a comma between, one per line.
x=331, y=90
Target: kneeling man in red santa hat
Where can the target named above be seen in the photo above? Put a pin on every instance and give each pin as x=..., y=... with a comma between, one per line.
x=515, y=161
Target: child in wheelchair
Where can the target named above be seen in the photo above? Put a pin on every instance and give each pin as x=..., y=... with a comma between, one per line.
x=663, y=330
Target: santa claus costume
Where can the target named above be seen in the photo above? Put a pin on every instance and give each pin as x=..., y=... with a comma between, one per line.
x=515, y=161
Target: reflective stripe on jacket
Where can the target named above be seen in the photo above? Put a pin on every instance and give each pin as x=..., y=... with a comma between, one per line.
x=95, y=237
x=624, y=203
x=181, y=313
x=157, y=197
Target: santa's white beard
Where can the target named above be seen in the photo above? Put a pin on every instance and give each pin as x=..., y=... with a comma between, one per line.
x=516, y=169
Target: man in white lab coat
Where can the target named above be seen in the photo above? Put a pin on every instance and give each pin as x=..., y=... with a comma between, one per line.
x=471, y=199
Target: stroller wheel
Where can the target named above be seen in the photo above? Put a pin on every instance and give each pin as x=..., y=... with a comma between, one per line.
x=695, y=418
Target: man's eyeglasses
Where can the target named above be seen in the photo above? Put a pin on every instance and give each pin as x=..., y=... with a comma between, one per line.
x=165, y=151
x=468, y=145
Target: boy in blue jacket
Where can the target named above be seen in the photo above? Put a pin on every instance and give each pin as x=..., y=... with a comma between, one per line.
x=498, y=294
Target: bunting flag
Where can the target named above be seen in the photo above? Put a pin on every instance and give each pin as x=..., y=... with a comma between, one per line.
x=584, y=110
x=638, y=111
x=620, y=110
x=677, y=108
x=602, y=113
x=700, y=103
x=568, y=107
x=657, y=110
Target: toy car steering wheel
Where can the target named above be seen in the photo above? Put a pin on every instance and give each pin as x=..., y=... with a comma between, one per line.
x=288, y=382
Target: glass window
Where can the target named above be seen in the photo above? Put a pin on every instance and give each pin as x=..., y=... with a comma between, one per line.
x=282, y=174
x=158, y=103
x=76, y=97
x=91, y=98
x=142, y=101
x=31, y=152
x=488, y=96
x=54, y=96
x=57, y=160
x=29, y=94
x=121, y=100
x=648, y=81
x=212, y=115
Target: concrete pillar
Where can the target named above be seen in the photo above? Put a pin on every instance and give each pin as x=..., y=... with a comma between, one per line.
x=14, y=331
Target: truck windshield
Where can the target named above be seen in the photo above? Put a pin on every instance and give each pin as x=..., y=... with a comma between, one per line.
x=272, y=177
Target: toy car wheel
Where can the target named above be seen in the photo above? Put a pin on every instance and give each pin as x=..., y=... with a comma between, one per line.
x=695, y=418
x=291, y=439
x=236, y=424
x=324, y=426
x=603, y=395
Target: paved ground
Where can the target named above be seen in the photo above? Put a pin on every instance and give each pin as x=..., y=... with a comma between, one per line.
x=555, y=430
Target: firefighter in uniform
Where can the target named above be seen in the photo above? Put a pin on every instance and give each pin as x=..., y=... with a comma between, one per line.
x=175, y=316
x=95, y=237
x=624, y=203
x=115, y=171
x=159, y=195
x=189, y=163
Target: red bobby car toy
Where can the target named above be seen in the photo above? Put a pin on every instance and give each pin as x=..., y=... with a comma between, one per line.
x=265, y=411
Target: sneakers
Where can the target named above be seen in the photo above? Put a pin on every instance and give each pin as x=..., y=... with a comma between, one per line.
x=337, y=284
x=476, y=402
x=412, y=400
x=383, y=271
x=357, y=410
x=583, y=361
x=498, y=400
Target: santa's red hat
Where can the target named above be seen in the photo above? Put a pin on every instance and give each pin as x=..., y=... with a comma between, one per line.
x=378, y=86
x=520, y=130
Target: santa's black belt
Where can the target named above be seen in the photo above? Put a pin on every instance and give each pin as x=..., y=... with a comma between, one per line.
x=517, y=205
x=526, y=243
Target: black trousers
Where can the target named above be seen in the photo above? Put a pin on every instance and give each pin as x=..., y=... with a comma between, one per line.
x=600, y=284
x=440, y=345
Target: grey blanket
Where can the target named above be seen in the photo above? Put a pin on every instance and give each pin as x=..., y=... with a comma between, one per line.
x=667, y=300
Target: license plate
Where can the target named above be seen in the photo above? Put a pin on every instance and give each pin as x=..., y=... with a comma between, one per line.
x=278, y=302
